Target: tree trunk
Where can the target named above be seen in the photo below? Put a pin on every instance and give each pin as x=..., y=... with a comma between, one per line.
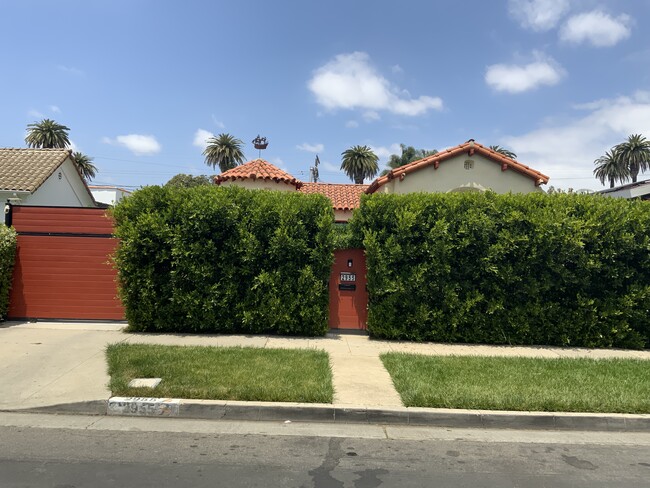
x=611, y=182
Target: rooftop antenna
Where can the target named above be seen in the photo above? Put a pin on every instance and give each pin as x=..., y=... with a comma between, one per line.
x=313, y=171
x=260, y=143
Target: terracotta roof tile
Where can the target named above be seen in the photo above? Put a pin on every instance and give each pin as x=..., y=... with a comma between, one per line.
x=257, y=169
x=343, y=196
x=27, y=169
x=470, y=147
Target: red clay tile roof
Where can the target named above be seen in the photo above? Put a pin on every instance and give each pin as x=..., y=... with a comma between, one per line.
x=343, y=196
x=470, y=147
x=257, y=169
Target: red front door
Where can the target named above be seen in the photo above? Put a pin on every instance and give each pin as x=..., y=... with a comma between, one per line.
x=348, y=294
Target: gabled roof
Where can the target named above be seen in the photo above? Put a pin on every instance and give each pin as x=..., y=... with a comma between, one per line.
x=257, y=169
x=27, y=169
x=470, y=148
x=343, y=196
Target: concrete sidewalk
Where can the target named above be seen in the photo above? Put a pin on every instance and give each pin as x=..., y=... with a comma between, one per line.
x=49, y=364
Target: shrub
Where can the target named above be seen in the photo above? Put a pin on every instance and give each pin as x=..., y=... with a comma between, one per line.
x=570, y=270
x=214, y=260
x=7, y=259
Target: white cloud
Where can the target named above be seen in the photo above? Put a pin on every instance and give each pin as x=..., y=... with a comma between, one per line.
x=333, y=168
x=313, y=148
x=538, y=15
x=55, y=109
x=138, y=144
x=73, y=146
x=384, y=152
x=567, y=151
x=35, y=114
x=396, y=69
x=596, y=28
x=71, y=70
x=218, y=123
x=280, y=164
x=350, y=82
x=352, y=124
x=201, y=137
x=513, y=78
x=371, y=116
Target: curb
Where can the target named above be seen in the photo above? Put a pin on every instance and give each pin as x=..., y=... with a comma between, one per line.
x=431, y=417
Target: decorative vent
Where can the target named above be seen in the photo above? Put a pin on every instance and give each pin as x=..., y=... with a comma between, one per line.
x=469, y=164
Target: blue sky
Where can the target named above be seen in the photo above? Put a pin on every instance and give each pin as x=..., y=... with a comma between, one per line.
x=142, y=83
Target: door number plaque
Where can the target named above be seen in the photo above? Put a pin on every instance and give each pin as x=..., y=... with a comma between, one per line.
x=348, y=277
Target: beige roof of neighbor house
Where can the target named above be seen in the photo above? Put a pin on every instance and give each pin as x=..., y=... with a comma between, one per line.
x=27, y=169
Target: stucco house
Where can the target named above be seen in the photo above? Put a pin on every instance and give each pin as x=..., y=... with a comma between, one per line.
x=42, y=177
x=467, y=167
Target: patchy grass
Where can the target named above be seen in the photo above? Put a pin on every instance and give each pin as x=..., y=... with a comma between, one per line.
x=220, y=373
x=495, y=383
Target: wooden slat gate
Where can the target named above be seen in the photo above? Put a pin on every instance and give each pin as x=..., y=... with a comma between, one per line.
x=63, y=268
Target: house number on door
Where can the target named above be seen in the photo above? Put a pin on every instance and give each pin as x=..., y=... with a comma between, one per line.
x=345, y=276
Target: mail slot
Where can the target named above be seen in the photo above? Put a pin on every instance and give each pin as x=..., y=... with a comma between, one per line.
x=347, y=286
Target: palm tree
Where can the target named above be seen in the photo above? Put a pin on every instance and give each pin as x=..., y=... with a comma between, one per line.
x=224, y=151
x=47, y=134
x=359, y=162
x=85, y=165
x=608, y=167
x=503, y=151
x=634, y=154
x=409, y=154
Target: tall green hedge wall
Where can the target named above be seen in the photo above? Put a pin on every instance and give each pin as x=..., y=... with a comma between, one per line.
x=214, y=260
x=7, y=258
x=570, y=270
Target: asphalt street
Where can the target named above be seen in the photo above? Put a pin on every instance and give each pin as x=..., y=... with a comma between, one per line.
x=77, y=451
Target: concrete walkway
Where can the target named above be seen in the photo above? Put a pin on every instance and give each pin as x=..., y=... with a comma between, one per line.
x=52, y=363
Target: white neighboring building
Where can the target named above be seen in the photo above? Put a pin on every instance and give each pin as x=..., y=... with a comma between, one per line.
x=640, y=190
x=45, y=177
x=109, y=195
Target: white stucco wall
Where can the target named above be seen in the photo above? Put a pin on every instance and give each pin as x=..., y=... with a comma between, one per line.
x=260, y=184
x=342, y=215
x=64, y=188
x=452, y=174
x=108, y=195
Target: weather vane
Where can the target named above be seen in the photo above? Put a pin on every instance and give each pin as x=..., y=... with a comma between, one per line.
x=260, y=143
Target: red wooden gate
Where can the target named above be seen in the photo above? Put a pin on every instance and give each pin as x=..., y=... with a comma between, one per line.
x=348, y=294
x=63, y=268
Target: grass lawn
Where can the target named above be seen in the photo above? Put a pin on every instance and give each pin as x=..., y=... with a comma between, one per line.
x=222, y=373
x=494, y=383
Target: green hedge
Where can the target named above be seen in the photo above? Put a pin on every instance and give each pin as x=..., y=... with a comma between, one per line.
x=7, y=259
x=229, y=260
x=570, y=270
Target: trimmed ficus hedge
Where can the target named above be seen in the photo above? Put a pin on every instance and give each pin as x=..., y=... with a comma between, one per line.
x=7, y=259
x=570, y=270
x=221, y=260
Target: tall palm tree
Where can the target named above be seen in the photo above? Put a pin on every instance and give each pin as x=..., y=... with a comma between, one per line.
x=634, y=154
x=224, y=151
x=409, y=154
x=359, y=162
x=47, y=134
x=85, y=165
x=608, y=167
x=503, y=151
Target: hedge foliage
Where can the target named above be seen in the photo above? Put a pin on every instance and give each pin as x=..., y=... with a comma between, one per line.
x=7, y=258
x=570, y=270
x=224, y=260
